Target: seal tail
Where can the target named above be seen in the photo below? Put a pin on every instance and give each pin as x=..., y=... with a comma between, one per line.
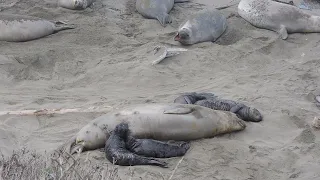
x=181, y=1
x=60, y=26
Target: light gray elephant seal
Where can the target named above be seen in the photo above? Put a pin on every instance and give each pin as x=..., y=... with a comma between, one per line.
x=206, y=25
x=157, y=9
x=20, y=28
x=163, y=121
x=278, y=17
x=116, y=152
x=75, y=4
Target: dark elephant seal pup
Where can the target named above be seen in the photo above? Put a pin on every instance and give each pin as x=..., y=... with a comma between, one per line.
x=20, y=28
x=206, y=25
x=278, y=17
x=75, y=4
x=116, y=152
x=157, y=9
x=158, y=121
x=154, y=148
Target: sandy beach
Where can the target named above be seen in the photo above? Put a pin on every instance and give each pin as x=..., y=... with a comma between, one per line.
x=102, y=63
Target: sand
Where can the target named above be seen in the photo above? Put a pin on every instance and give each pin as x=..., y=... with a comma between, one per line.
x=103, y=63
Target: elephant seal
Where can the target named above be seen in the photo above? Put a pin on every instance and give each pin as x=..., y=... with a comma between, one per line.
x=154, y=148
x=212, y=101
x=116, y=152
x=20, y=28
x=206, y=25
x=159, y=121
x=157, y=9
x=193, y=97
x=75, y=4
x=278, y=17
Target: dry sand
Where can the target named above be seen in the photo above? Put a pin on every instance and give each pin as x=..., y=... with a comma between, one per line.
x=102, y=63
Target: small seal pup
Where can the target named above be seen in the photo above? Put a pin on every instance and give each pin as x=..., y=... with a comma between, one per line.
x=157, y=9
x=278, y=17
x=159, y=121
x=193, y=97
x=116, y=152
x=75, y=4
x=206, y=25
x=20, y=28
x=154, y=148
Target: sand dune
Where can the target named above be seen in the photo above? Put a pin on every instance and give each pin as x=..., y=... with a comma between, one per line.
x=103, y=63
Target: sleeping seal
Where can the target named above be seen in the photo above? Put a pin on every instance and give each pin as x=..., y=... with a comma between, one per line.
x=157, y=9
x=159, y=121
x=206, y=25
x=75, y=4
x=116, y=152
x=278, y=17
x=20, y=28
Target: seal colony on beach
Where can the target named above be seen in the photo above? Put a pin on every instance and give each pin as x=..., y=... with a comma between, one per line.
x=205, y=25
x=157, y=9
x=279, y=17
x=20, y=28
x=159, y=121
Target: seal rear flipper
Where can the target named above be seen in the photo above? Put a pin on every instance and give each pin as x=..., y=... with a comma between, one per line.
x=283, y=32
x=181, y=1
x=60, y=26
x=164, y=19
x=66, y=147
x=178, y=110
x=158, y=163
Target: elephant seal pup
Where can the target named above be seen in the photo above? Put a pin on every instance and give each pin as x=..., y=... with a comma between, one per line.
x=157, y=9
x=116, y=152
x=191, y=98
x=75, y=4
x=278, y=17
x=154, y=148
x=159, y=121
x=244, y=112
x=20, y=28
x=206, y=25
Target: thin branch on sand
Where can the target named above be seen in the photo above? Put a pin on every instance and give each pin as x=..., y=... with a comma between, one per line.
x=175, y=169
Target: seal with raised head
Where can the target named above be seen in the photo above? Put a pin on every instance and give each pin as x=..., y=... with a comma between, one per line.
x=20, y=28
x=203, y=26
x=278, y=17
x=116, y=152
x=159, y=121
x=157, y=9
x=75, y=4
x=154, y=148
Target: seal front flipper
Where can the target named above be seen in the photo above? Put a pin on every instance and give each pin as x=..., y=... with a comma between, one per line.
x=164, y=19
x=181, y=1
x=236, y=108
x=178, y=110
x=283, y=32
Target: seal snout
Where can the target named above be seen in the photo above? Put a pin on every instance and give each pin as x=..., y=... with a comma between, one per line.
x=177, y=37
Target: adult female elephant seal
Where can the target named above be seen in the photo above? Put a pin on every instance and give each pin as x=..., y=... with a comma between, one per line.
x=278, y=17
x=206, y=25
x=117, y=153
x=179, y=122
x=157, y=9
x=75, y=4
x=20, y=28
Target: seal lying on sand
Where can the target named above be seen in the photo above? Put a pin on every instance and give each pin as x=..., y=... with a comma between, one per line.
x=117, y=153
x=244, y=112
x=157, y=9
x=167, y=121
x=278, y=17
x=75, y=4
x=154, y=148
x=20, y=28
x=193, y=97
x=206, y=25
